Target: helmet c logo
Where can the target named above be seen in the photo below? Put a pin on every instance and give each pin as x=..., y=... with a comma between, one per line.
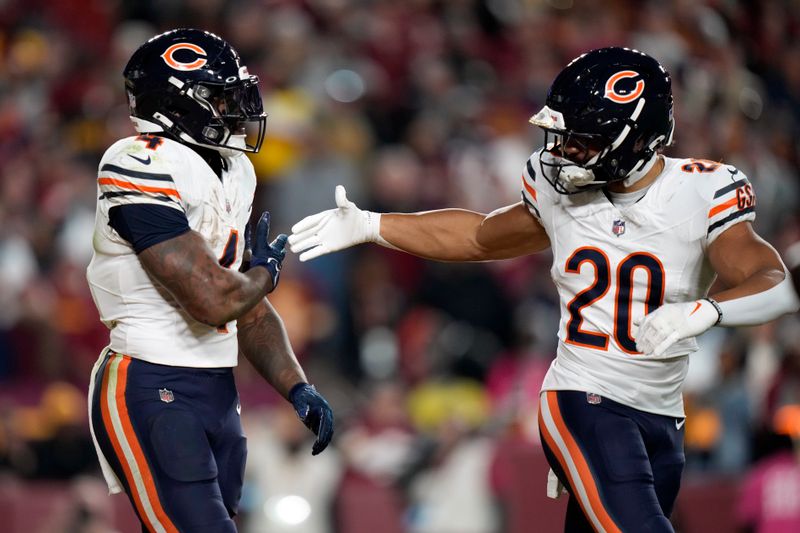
x=620, y=98
x=168, y=58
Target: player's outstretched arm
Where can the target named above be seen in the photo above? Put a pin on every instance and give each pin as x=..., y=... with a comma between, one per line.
x=443, y=235
x=757, y=290
x=263, y=341
x=209, y=292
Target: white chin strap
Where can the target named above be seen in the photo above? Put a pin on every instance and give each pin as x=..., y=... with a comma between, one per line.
x=237, y=143
x=640, y=170
x=643, y=167
x=570, y=174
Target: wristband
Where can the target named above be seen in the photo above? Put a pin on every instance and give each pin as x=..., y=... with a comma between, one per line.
x=717, y=307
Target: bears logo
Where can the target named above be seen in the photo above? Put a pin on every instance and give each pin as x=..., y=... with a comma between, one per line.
x=169, y=57
x=624, y=97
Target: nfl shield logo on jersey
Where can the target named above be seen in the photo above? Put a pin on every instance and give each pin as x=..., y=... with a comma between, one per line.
x=166, y=395
x=593, y=398
x=618, y=228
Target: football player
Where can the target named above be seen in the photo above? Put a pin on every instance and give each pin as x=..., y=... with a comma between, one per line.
x=173, y=204
x=637, y=240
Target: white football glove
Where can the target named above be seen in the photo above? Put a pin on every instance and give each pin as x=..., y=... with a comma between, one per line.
x=670, y=323
x=334, y=229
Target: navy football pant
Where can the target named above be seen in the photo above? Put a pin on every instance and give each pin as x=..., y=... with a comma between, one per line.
x=621, y=466
x=174, y=439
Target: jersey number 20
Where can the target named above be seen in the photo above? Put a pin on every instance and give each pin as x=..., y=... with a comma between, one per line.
x=623, y=299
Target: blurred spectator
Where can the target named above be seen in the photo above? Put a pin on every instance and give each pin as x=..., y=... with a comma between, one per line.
x=770, y=497
x=286, y=489
x=453, y=494
x=719, y=418
x=87, y=510
x=48, y=440
x=785, y=387
x=732, y=453
x=380, y=446
x=380, y=449
x=450, y=489
x=513, y=384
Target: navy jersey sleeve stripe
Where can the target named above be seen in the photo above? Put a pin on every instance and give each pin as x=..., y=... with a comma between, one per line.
x=136, y=173
x=728, y=188
x=144, y=225
x=529, y=204
x=531, y=172
x=116, y=194
x=729, y=218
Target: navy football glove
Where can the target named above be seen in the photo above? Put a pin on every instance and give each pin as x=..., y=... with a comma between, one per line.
x=269, y=256
x=315, y=413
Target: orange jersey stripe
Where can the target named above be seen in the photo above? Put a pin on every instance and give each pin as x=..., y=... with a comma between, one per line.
x=528, y=188
x=104, y=410
x=133, y=442
x=133, y=186
x=580, y=463
x=722, y=207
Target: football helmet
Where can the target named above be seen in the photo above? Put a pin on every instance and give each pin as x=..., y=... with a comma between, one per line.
x=605, y=117
x=190, y=84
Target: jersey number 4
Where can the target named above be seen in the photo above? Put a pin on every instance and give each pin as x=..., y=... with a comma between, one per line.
x=227, y=259
x=623, y=299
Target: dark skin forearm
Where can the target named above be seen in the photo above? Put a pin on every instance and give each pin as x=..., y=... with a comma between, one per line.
x=209, y=292
x=263, y=341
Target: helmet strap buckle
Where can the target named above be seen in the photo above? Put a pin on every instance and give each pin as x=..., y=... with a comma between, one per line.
x=211, y=133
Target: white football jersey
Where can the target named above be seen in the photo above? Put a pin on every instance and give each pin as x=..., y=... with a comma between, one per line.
x=613, y=264
x=145, y=320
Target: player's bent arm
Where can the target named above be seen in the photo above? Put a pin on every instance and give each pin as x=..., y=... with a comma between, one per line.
x=264, y=342
x=757, y=290
x=461, y=235
x=758, y=287
x=209, y=292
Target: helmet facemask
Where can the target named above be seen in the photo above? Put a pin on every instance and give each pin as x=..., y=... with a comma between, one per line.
x=570, y=161
x=231, y=117
x=240, y=111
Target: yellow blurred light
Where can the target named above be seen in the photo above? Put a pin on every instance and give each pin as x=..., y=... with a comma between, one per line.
x=434, y=404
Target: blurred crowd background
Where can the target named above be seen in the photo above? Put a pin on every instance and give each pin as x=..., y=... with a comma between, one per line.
x=433, y=369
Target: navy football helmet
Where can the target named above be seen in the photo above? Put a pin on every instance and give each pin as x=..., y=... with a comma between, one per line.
x=190, y=84
x=606, y=116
